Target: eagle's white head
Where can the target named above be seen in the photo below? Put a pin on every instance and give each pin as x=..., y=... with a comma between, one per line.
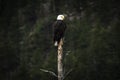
x=60, y=17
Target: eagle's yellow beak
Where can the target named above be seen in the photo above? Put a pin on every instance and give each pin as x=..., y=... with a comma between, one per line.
x=62, y=17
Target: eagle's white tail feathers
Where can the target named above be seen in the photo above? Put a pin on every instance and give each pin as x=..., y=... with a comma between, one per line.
x=56, y=43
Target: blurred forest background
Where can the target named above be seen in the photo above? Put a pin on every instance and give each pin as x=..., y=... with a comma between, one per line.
x=91, y=46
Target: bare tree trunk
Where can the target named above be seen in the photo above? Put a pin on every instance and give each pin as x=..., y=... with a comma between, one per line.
x=61, y=75
x=60, y=57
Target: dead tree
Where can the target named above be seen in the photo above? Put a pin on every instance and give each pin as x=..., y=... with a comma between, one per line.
x=61, y=75
x=60, y=57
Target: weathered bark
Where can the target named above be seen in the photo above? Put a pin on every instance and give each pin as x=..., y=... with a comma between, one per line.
x=60, y=57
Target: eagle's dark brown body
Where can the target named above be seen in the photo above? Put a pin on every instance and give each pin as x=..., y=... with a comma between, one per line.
x=59, y=28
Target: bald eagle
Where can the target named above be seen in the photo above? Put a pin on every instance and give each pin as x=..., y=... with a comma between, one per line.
x=59, y=28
